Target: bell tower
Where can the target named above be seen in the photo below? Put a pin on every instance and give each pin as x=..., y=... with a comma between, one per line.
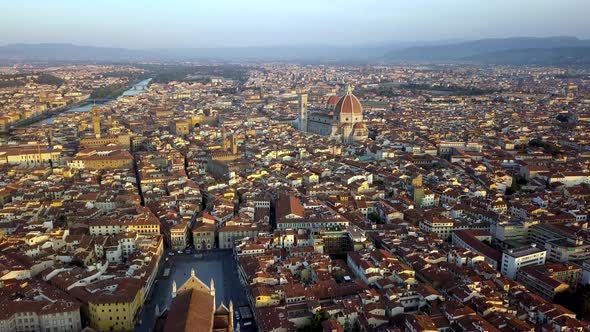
x=303, y=112
x=96, y=121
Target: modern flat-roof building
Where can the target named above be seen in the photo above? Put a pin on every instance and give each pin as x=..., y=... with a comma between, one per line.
x=514, y=259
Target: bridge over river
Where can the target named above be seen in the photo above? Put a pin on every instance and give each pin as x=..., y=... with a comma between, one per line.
x=82, y=106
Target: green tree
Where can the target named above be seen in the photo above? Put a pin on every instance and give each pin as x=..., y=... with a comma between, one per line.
x=339, y=276
x=547, y=146
x=347, y=326
x=375, y=218
x=316, y=322
x=77, y=262
x=49, y=79
x=306, y=276
x=577, y=301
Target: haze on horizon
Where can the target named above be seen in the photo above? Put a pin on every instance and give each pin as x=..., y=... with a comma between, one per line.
x=239, y=23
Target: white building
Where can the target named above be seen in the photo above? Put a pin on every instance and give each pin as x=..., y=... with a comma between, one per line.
x=570, y=179
x=514, y=259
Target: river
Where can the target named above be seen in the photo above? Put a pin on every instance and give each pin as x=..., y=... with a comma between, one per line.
x=136, y=89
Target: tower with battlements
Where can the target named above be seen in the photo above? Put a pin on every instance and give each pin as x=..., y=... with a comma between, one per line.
x=96, y=121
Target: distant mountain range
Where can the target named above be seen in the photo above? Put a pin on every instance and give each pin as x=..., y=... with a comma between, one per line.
x=51, y=52
x=534, y=56
x=521, y=50
x=66, y=52
x=515, y=51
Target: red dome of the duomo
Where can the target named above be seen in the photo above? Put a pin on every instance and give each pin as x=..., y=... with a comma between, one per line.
x=348, y=104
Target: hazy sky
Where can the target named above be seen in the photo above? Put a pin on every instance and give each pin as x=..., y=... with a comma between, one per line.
x=202, y=23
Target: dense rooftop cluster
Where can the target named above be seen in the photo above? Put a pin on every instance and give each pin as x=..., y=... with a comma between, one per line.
x=465, y=208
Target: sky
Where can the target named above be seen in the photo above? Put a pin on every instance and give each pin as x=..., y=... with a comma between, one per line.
x=241, y=23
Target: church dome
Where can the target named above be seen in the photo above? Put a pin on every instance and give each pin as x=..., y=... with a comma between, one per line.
x=348, y=104
x=332, y=100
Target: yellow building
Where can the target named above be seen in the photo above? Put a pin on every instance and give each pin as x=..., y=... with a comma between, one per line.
x=179, y=236
x=265, y=297
x=144, y=225
x=3, y=124
x=102, y=158
x=257, y=175
x=116, y=307
x=181, y=127
x=123, y=140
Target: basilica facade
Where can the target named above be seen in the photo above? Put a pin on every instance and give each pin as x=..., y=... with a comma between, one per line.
x=193, y=309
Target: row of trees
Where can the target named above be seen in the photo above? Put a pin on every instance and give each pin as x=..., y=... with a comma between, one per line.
x=453, y=89
x=108, y=91
x=322, y=315
x=316, y=321
x=9, y=81
x=49, y=79
x=547, y=146
x=169, y=73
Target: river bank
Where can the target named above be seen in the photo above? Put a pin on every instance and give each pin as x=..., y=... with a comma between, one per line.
x=84, y=105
